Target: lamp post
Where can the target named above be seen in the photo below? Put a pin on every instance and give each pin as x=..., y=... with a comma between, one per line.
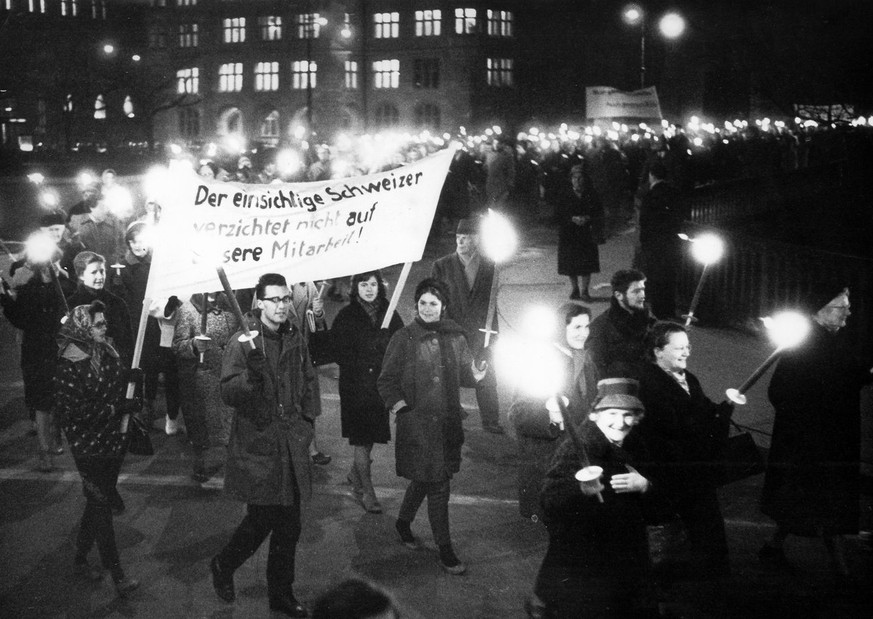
x=671, y=26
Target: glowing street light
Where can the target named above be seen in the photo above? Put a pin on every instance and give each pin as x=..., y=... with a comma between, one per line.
x=786, y=330
x=671, y=26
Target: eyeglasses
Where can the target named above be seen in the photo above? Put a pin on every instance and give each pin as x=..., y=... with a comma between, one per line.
x=839, y=308
x=276, y=300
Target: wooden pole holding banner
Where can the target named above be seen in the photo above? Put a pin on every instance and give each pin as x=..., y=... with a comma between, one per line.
x=492, y=305
x=137, y=355
x=395, y=297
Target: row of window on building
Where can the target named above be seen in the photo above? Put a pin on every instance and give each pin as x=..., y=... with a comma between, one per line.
x=96, y=9
x=309, y=25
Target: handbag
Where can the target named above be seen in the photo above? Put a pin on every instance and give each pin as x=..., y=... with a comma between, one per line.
x=741, y=457
x=321, y=348
x=139, y=442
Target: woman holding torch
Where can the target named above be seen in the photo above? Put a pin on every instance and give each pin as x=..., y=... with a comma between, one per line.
x=537, y=422
x=811, y=485
x=597, y=558
x=425, y=365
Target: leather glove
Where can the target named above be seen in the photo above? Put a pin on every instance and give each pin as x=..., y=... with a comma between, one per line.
x=133, y=375
x=173, y=303
x=256, y=364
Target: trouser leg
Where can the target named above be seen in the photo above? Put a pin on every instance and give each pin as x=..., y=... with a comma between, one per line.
x=99, y=476
x=247, y=538
x=415, y=493
x=438, y=511
x=283, y=547
x=172, y=391
x=87, y=533
x=705, y=525
x=486, y=398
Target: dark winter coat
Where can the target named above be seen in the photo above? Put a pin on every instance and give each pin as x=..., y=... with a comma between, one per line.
x=812, y=473
x=598, y=552
x=134, y=279
x=429, y=435
x=466, y=306
x=268, y=454
x=359, y=346
x=616, y=341
x=577, y=245
x=685, y=432
x=118, y=327
x=661, y=216
x=37, y=311
x=538, y=438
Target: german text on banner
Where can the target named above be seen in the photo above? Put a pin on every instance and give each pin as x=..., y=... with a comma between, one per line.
x=606, y=102
x=305, y=231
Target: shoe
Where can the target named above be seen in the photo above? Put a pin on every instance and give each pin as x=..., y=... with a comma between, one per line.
x=172, y=427
x=200, y=477
x=494, y=428
x=356, y=488
x=222, y=583
x=288, y=606
x=587, y=298
x=371, y=504
x=773, y=557
x=321, y=459
x=406, y=536
x=575, y=295
x=88, y=571
x=450, y=562
x=125, y=586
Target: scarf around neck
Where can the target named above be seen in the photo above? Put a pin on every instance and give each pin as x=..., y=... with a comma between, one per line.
x=76, y=331
x=445, y=331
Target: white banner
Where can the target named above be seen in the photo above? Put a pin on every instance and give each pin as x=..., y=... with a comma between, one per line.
x=606, y=102
x=305, y=231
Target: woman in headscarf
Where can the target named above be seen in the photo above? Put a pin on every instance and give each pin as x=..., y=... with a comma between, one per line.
x=425, y=365
x=207, y=417
x=90, y=404
x=538, y=423
x=359, y=346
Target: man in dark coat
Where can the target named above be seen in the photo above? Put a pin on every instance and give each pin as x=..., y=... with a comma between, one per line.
x=617, y=335
x=272, y=389
x=468, y=276
x=811, y=486
x=661, y=219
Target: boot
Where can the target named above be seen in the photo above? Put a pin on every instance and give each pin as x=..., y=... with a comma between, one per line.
x=450, y=562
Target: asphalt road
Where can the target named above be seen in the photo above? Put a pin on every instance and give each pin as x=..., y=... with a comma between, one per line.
x=172, y=526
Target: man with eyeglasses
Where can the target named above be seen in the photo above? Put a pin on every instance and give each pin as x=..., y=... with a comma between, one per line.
x=273, y=389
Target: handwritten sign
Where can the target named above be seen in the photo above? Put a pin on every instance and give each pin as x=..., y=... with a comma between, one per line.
x=606, y=102
x=305, y=231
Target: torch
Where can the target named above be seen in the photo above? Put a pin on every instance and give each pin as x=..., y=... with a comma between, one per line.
x=39, y=250
x=499, y=241
x=706, y=249
x=786, y=329
x=247, y=335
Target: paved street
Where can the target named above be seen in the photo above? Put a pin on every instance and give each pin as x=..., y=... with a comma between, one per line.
x=172, y=526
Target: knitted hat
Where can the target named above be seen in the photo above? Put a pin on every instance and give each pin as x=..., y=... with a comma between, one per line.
x=53, y=218
x=618, y=393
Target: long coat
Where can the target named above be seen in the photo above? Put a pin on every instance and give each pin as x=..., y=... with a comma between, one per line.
x=359, y=346
x=598, y=552
x=812, y=475
x=616, y=341
x=37, y=312
x=429, y=436
x=538, y=438
x=268, y=454
x=467, y=306
x=577, y=245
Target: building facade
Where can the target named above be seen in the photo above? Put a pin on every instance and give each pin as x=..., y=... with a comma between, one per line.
x=267, y=72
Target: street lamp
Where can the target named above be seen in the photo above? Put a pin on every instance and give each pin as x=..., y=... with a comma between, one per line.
x=310, y=28
x=671, y=26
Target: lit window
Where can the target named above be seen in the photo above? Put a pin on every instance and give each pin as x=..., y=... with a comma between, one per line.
x=68, y=104
x=188, y=81
x=128, y=107
x=386, y=115
x=387, y=25
x=270, y=27
x=426, y=72
x=266, y=76
x=99, y=108
x=351, y=72
x=308, y=25
x=428, y=23
x=188, y=35
x=499, y=71
x=230, y=77
x=95, y=5
x=465, y=21
x=386, y=73
x=270, y=129
x=235, y=30
x=159, y=3
x=36, y=5
x=189, y=123
x=427, y=116
x=500, y=23
x=186, y=2
x=303, y=74
x=69, y=8
x=157, y=40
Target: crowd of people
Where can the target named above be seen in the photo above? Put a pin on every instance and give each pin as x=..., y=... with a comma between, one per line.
x=249, y=405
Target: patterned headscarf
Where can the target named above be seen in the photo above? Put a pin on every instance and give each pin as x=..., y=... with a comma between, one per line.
x=76, y=330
